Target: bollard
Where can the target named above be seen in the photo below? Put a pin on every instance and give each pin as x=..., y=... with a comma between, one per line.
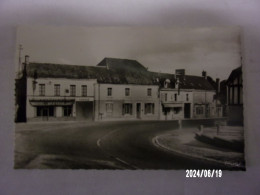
x=201, y=128
x=218, y=128
x=180, y=124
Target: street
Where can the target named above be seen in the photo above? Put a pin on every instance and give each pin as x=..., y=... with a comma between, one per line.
x=99, y=145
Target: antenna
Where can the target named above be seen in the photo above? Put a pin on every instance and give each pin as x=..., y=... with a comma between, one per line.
x=20, y=57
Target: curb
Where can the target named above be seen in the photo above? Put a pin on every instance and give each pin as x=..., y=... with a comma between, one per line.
x=157, y=143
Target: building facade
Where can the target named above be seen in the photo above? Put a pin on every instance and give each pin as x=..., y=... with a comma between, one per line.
x=235, y=97
x=115, y=89
x=60, y=99
x=126, y=102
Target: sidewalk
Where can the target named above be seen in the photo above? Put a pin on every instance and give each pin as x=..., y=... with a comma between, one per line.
x=184, y=143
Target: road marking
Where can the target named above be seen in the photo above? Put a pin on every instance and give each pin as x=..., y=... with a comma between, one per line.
x=116, y=158
x=98, y=142
x=124, y=162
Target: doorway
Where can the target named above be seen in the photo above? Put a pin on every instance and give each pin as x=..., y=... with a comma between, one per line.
x=187, y=110
x=138, y=110
x=45, y=112
x=84, y=110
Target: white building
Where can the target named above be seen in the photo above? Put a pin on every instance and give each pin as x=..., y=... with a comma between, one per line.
x=115, y=89
x=60, y=99
x=126, y=101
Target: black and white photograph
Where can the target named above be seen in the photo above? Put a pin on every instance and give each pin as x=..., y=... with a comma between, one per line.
x=129, y=98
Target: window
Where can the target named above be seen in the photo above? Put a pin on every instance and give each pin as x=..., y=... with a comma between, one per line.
x=45, y=111
x=109, y=91
x=56, y=90
x=73, y=90
x=127, y=91
x=67, y=110
x=42, y=89
x=127, y=109
x=187, y=97
x=176, y=110
x=109, y=107
x=175, y=97
x=149, y=92
x=84, y=90
x=199, y=110
x=149, y=108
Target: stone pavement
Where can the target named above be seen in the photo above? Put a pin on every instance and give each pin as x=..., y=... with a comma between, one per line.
x=184, y=142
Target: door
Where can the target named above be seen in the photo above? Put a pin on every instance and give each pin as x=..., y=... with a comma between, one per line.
x=45, y=113
x=138, y=110
x=186, y=110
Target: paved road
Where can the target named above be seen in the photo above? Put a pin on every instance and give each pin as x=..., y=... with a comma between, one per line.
x=103, y=145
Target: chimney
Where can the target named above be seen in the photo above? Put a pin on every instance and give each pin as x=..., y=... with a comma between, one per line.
x=26, y=59
x=180, y=72
x=204, y=74
x=218, y=85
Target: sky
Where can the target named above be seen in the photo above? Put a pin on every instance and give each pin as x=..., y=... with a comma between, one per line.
x=163, y=49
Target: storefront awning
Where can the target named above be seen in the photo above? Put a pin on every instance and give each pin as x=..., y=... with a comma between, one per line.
x=49, y=102
x=172, y=105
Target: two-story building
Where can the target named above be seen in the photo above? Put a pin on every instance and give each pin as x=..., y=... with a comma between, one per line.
x=56, y=92
x=129, y=93
x=186, y=96
x=115, y=89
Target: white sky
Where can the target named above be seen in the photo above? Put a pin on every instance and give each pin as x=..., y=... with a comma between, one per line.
x=164, y=49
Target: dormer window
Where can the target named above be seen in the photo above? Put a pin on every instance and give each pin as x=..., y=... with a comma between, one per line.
x=177, y=81
x=167, y=83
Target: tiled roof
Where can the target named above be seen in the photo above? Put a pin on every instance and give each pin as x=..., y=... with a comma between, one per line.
x=119, y=71
x=115, y=76
x=185, y=81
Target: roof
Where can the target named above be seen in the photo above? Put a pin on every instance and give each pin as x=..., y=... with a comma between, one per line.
x=124, y=64
x=116, y=71
x=185, y=81
x=114, y=76
x=234, y=74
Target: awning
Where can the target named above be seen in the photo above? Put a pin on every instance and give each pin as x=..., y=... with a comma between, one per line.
x=172, y=105
x=49, y=102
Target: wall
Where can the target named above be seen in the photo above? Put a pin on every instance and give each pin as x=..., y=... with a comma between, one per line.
x=138, y=94
x=235, y=115
x=203, y=97
x=64, y=84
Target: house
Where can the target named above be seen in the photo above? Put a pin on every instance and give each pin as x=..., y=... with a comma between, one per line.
x=131, y=93
x=115, y=89
x=186, y=96
x=55, y=92
x=235, y=97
